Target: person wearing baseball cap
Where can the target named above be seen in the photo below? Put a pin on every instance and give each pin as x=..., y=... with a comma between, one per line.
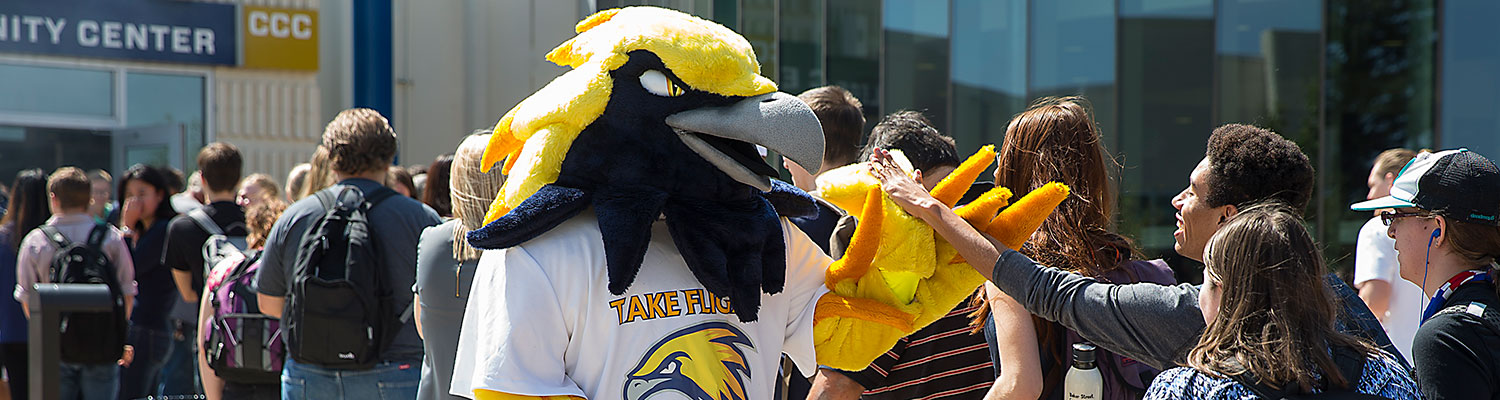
x=1444, y=213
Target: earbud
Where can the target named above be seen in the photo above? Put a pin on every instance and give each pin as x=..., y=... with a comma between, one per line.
x=1436, y=232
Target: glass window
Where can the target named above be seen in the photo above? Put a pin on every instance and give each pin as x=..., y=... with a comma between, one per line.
x=1073, y=53
x=1379, y=95
x=989, y=69
x=727, y=13
x=1166, y=111
x=48, y=148
x=758, y=25
x=157, y=100
x=1268, y=65
x=854, y=52
x=801, y=47
x=916, y=58
x=1471, y=88
x=57, y=90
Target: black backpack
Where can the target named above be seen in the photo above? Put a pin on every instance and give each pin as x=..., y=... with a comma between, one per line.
x=340, y=313
x=88, y=337
x=1349, y=363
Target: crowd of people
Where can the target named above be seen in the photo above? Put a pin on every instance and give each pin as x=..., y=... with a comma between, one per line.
x=262, y=321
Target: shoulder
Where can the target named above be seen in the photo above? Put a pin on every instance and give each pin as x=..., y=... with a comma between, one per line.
x=181, y=223
x=1188, y=383
x=1373, y=228
x=1385, y=377
x=444, y=229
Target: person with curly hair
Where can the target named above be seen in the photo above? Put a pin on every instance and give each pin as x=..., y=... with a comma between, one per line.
x=1150, y=323
x=360, y=146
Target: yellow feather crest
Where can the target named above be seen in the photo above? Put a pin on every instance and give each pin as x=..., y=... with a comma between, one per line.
x=703, y=54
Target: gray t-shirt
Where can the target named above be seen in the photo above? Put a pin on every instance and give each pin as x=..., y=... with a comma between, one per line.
x=444, y=285
x=395, y=223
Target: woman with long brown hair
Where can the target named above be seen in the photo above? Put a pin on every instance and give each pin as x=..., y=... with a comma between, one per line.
x=27, y=210
x=1271, y=321
x=1056, y=140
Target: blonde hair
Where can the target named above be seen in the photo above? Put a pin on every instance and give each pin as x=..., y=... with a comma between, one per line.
x=471, y=190
x=269, y=190
x=319, y=176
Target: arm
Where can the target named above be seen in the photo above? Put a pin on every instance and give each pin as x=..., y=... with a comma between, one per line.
x=834, y=385
x=1148, y=322
x=1377, y=295
x=416, y=312
x=1021, y=373
x=184, y=281
x=1452, y=360
x=270, y=305
x=213, y=386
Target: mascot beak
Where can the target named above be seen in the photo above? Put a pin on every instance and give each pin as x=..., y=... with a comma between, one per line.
x=778, y=121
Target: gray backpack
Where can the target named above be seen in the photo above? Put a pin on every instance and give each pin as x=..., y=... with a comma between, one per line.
x=218, y=246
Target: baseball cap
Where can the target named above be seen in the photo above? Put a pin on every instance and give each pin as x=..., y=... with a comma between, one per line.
x=1460, y=184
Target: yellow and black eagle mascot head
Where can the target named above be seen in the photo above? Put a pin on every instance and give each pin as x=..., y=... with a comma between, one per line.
x=658, y=119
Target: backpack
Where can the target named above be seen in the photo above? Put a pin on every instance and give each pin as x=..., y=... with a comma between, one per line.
x=340, y=312
x=88, y=337
x=1350, y=364
x=219, y=246
x=1124, y=378
x=241, y=344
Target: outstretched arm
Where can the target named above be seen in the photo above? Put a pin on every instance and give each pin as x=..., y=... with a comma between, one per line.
x=1148, y=322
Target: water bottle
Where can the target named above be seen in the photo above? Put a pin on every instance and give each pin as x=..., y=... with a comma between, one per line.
x=1083, y=381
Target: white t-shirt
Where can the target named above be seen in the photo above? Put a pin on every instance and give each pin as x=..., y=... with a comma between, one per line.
x=1375, y=258
x=542, y=322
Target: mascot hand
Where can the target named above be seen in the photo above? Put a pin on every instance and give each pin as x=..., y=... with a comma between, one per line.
x=897, y=276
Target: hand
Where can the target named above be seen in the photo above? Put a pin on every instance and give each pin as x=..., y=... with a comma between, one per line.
x=130, y=212
x=906, y=191
x=126, y=358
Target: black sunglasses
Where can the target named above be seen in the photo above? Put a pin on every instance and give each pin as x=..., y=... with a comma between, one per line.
x=1387, y=217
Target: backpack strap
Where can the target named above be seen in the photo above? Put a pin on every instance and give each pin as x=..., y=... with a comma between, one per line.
x=97, y=236
x=205, y=222
x=55, y=236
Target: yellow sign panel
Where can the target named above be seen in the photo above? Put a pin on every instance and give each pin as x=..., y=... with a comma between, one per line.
x=279, y=38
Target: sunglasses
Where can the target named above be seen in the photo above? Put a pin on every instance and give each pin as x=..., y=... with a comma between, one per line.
x=1388, y=217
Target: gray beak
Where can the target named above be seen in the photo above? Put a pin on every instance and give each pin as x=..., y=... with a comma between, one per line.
x=778, y=121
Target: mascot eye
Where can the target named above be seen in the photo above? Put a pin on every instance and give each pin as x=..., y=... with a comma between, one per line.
x=668, y=369
x=657, y=83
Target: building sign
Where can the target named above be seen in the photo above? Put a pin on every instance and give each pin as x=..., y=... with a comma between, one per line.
x=279, y=38
x=149, y=30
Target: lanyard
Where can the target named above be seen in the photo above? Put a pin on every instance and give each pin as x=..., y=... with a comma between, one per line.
x=1436, y=304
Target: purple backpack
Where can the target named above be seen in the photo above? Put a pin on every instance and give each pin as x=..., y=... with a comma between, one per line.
x=241, y=344
x=1125, y=378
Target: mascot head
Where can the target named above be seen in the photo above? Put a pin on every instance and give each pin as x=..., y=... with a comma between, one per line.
x=703, y=362
x=659, y=119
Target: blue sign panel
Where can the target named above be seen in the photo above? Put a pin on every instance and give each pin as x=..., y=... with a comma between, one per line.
x=146, y=30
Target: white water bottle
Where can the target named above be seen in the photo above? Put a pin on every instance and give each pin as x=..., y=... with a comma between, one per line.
x=1083, y=381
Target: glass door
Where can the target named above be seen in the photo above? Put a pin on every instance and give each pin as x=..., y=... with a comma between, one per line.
x=158, y=145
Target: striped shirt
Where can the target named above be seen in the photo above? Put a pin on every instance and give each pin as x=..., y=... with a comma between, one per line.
x=942, y=361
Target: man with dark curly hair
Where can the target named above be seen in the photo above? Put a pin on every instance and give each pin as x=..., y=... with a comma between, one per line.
x=1158, y=324
x=360, y=145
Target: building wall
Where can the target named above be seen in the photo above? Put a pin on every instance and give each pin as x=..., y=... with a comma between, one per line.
x=461, y=65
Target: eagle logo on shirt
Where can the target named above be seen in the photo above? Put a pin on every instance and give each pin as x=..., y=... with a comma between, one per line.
x=701, y=362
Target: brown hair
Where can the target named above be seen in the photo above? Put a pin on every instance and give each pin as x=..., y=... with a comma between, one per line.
x=435, y=195
x=319, y=175
x=1393, y=160
x=397, y=176
x=268, y=188
x=843, y=122
x=471, y=191
x=1057, y=140
x=359, y=140
x=1276, y=316
x=220, y=165
x=1477, y=244
x=101, y=175
x=259, y=219
x=71, y=187
x=295, y=180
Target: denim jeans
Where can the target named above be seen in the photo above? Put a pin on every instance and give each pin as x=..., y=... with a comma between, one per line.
x=88, y=382
x=141, y=378
x=387, y=381
x=179, y=372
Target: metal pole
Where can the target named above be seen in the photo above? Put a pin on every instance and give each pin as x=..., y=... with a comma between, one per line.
x=47, y=304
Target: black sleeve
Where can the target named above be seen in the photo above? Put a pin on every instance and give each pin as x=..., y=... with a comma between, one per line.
x=1454, y=358
x=175, y=251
